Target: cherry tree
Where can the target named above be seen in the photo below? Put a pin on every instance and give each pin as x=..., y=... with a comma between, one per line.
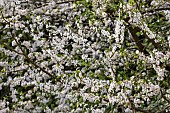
x=85, y=56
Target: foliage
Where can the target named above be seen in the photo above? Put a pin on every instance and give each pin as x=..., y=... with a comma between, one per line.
x=85, y=56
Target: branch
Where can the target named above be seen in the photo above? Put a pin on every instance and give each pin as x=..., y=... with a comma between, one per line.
x=164, y=97
x=135, y=108
x=136, y=39
x=26, y=56
x=133, y=30
x=11, y=49
x=156, y=45
x=67, y=1
x=154, y=10
x=164, y=110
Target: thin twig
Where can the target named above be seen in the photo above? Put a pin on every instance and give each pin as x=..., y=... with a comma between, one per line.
x=154, y=10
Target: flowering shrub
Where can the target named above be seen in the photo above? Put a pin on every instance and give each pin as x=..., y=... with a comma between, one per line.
x=84, y=56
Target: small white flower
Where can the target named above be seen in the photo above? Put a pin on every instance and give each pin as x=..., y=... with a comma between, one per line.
x=14, y=43
x=104, y=14
x=105, y=33
x=84, y=56
x=80, y=32
x=127, y=110
x=137, y=51
x=137, y=101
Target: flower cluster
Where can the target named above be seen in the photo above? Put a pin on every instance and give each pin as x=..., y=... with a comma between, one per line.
x=84, y=56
